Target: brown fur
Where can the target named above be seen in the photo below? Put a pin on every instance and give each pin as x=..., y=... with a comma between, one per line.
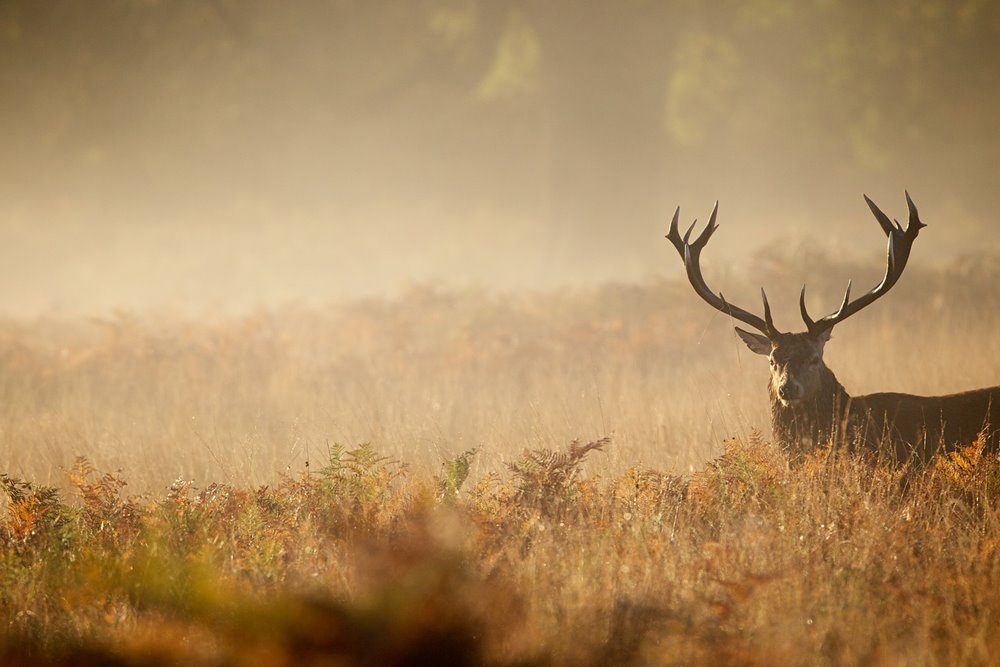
x=901, y=426
x=809, y=406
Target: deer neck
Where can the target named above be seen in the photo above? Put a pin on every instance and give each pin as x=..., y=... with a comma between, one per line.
x=802, y=427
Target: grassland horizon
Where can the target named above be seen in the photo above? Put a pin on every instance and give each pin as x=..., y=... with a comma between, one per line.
x=434, y=372
x=395, y=477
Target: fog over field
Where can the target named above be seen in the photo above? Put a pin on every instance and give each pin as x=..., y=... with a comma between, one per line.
x=346, y=332
x=212, y=157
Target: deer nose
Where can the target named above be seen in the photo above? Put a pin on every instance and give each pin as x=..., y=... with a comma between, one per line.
x=788, y=392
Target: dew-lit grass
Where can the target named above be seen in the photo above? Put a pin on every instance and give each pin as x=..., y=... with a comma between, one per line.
x=390, y=482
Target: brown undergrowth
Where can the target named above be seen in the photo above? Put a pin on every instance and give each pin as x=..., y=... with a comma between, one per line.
x=518, y=549
x=360, y=562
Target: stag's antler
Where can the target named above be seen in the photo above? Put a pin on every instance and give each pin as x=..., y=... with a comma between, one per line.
x=690, y=252
x=900, y=242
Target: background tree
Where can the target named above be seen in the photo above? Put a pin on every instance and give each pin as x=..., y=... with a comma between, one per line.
x=570, y=128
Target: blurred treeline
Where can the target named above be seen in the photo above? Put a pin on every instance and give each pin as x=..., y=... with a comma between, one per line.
x=588, y=117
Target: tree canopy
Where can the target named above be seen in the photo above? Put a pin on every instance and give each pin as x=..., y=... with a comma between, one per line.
x=582, y=116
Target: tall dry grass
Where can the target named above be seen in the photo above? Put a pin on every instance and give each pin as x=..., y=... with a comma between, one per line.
x=358, y=563
x=224, y=512
x=433, y=373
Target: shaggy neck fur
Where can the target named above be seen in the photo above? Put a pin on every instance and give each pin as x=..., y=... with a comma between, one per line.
x=802, y=427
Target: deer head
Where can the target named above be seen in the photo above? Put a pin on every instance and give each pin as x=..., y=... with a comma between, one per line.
x=797, y=368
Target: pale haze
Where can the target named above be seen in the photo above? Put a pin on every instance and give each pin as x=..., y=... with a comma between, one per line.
x=218, y=156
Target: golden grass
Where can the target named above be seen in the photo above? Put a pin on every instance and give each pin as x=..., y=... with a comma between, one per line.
x=746, y=562
x=421, y=378
x=468, y=527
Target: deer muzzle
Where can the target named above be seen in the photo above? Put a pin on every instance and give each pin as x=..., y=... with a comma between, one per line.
x=789, y=391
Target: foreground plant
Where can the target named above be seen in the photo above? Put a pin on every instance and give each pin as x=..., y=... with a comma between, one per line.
x=837, y=561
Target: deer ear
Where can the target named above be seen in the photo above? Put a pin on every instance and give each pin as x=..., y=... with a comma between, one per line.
x=758, y=343
x=824, y=336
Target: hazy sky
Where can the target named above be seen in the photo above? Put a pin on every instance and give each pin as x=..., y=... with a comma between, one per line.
x=226, y=154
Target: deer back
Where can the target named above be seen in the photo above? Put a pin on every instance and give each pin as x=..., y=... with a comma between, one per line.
x=921, y=426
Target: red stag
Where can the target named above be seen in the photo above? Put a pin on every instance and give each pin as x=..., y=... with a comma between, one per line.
x=809, y=406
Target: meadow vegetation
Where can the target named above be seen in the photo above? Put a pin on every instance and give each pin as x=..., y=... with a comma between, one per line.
x=474, y=477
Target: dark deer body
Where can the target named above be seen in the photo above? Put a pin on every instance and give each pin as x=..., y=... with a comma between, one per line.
x=810, y=407
x=920, y=426
x=901, y=426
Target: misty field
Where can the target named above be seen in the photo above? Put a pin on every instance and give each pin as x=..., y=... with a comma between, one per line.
x=574, y=477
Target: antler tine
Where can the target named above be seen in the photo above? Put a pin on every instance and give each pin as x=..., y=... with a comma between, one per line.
x=710, y=228
x=802, y=309
x=847, y=297
x=673, y=223
x=672, y=230
x=687, y=234
x=914, y=221
x=843, y=304
x=897, y=253
x=810, y=324
x=771, y=331
x=690, y=252
x=883, y=219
